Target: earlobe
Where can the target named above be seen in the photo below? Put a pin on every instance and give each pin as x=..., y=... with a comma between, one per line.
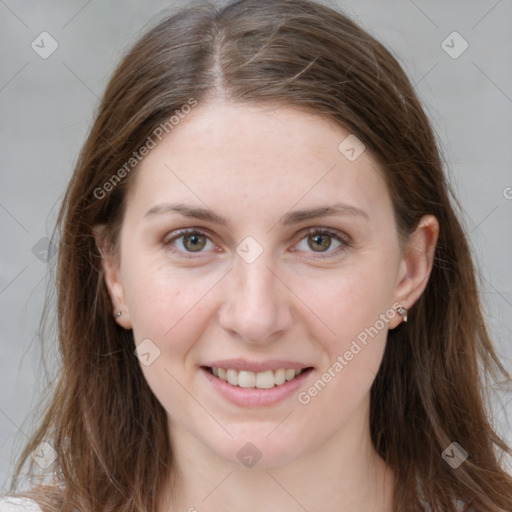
x=418, y=260
x=112, y=279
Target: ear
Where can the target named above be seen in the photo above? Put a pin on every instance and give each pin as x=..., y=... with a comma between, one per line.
x=112, y=277
x=416, y=264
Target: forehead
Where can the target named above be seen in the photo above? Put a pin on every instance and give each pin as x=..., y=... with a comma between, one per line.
x=268, y=157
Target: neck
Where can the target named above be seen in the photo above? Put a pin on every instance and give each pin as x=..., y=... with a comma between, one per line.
x=345, y=473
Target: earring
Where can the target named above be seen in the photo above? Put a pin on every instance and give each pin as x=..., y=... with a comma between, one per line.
x=402, y=312
x=117, y=314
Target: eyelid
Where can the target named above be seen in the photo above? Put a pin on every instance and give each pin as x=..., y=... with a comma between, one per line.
x=177, y=233
x=342, y=237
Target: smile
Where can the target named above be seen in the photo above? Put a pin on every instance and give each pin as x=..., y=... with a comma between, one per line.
x=256, y=383
x=261, y=380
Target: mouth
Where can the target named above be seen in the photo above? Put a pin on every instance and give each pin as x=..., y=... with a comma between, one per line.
x=266, y=379
x=256, y=384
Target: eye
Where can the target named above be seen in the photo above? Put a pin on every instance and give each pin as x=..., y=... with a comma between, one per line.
x=191, y=243
x=186, y=242
x=326, y=243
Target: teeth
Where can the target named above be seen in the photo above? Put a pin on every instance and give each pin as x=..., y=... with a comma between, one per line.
x=279, y=376
x=260, y=380
x=245, y=379
x=232, y=377
x=289, y=374
x=265, y=380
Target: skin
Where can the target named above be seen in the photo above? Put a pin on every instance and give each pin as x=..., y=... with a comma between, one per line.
x=252, y=165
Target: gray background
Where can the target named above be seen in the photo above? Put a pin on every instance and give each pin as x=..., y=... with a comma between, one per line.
x=47, y=106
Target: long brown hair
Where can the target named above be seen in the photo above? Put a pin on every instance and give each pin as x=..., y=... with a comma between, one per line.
x=108, y=429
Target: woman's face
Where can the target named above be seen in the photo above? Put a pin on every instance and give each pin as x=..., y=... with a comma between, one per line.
x=255, y=243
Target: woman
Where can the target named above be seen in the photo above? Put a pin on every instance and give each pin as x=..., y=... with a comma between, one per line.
x=265, y=296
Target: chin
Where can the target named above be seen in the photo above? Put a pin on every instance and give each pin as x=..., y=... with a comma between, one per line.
x=259, y=446
x=258, y=453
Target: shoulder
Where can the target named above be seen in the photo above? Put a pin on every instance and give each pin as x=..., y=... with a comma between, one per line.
x=11, y=504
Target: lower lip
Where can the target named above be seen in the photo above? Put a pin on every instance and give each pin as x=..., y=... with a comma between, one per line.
x=255, y=397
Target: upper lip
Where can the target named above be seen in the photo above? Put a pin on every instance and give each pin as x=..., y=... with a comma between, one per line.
x=257, y=366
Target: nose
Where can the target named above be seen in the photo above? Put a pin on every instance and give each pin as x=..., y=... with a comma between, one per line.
x=257, y=304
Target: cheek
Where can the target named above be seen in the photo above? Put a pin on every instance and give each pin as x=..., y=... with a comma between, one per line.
x=355, y=306
x=170, y=310
x=351, y=300
x=167, y=306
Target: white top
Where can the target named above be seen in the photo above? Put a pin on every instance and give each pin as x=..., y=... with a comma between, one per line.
x=9, y=504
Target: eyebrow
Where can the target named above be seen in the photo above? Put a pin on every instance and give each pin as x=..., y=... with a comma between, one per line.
x=293, y=217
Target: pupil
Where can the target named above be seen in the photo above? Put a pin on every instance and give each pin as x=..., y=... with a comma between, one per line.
x=194, y=242
x=323, y=241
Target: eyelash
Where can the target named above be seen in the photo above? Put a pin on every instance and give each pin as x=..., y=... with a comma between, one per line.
x=344, y=241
